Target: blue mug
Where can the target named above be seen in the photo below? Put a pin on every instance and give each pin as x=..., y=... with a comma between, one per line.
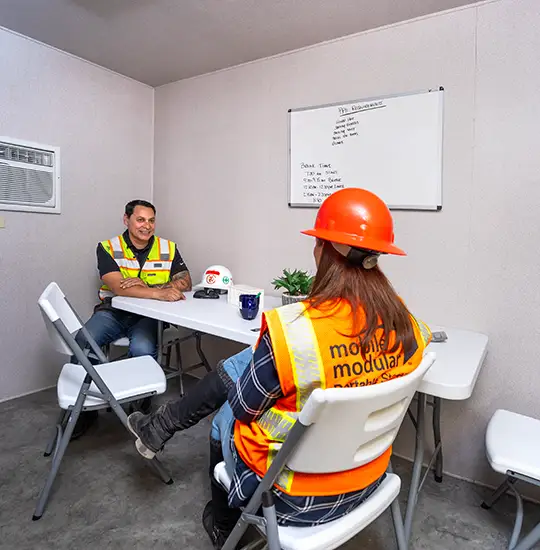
x=249, y=306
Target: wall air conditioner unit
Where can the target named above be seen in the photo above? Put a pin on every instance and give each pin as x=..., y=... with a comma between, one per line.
x=29, y=176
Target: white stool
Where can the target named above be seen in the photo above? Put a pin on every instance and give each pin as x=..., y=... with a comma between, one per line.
x=513, y=449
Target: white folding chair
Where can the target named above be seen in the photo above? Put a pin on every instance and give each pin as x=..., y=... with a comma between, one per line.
x=337, y=430
x=513, y=448
x=87, y=387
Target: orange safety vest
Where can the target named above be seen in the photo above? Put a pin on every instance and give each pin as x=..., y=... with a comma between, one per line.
x=311, y=352
x=156, y=269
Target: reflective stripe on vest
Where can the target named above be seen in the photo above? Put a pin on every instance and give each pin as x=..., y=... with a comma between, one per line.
x=164, y=250
x=119, y=255
x=424, y=330
x=304, y=352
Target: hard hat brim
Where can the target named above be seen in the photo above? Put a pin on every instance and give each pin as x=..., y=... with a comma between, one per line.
x=354, y=240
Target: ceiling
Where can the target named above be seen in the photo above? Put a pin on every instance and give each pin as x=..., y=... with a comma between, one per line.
x=161, y=41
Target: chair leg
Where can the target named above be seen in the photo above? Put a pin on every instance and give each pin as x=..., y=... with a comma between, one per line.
x=59, y=453
x=417, y=465
x=530, y=540
x=236, y=534
x=397, y=519
x=161, y=471
x=399, y=530
x=62, y=419
x=497, y=494
x=519, y=518
x=269, y=513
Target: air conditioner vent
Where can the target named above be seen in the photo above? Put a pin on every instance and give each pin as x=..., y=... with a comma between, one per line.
x=29, y=176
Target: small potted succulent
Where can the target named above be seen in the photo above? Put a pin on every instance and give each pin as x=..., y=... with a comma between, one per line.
x=296, y=284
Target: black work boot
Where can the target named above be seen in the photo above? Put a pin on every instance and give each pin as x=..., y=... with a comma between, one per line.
x=218, y=519
x=151, y=431
x=219, y=528
x=217, y=536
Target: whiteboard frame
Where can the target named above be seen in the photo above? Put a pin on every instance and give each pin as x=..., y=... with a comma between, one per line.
x=376, y=98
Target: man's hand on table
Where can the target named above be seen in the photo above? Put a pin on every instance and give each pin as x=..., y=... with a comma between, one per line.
x=130, y=282
x=169, y=294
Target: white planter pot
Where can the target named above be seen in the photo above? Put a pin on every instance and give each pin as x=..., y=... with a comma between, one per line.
x=288, y=299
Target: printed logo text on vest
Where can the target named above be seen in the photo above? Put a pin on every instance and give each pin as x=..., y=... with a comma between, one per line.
x=374, y=362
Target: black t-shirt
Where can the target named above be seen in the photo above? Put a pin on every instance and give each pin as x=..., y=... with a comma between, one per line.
x=106, y=263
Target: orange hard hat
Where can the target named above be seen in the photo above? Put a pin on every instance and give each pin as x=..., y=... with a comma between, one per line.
x=357, y=218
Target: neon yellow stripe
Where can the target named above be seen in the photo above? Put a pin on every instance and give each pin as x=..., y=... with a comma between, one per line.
x=286, y=476
x=322, y=373
x=425, y=331
x=291, y=354
x=303, y=347
x=128, y=255
x=276, y=423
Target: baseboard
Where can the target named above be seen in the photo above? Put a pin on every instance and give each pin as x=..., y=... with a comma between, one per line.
x=26, y=393
x=468, y=480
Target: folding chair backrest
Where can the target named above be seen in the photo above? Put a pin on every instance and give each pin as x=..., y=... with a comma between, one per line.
x=350, y=427
x=54, y=307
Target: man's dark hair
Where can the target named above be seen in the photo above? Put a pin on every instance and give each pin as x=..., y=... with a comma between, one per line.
x=130, y=206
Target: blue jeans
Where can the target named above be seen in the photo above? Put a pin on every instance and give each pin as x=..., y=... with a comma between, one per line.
x=222, y=423
x=107, y=325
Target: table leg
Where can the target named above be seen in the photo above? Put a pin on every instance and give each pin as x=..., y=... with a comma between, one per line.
x=198, y=345
x=160, y=342
x=417, y=465
x=437, y=404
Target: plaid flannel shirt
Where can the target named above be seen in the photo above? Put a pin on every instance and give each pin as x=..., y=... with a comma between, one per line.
x=255, y=392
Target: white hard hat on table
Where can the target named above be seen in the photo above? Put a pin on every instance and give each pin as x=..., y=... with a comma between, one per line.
x=218, y=277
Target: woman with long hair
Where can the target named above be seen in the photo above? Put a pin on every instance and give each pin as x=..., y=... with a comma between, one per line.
x=352, y=330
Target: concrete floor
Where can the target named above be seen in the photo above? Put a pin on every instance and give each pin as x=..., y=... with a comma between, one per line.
x=105, y=497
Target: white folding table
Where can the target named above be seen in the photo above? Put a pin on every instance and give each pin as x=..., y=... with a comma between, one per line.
x=212, y=316
x=452, y=376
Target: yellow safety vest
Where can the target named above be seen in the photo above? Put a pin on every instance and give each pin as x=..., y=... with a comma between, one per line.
x=311, y=351
x=156, y=269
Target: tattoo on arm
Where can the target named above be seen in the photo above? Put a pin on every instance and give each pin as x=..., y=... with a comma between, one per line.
x=181, y=280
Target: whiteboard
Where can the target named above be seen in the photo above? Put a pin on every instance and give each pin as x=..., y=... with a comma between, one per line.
x=391, y=146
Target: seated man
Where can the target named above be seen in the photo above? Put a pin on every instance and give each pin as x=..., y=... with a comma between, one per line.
x=138, y=264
